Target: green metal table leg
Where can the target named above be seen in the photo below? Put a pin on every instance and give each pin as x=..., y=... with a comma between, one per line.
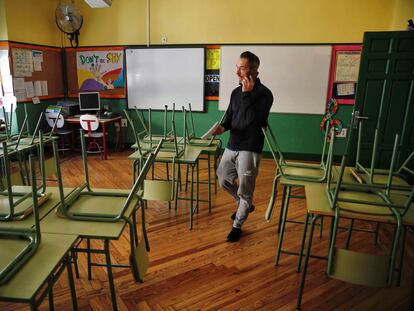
x=191, y=196
x=168, y=179
x=33, y=306
x=110, y=276
x=281, y=210
x=88, y=253
x=302, y=242
x=305, y=266
x=209, y=182
x=285, y=208
x=186, y=178
x=197, y=185
x=50, y=296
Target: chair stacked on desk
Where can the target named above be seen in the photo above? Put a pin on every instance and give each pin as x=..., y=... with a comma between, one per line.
x=176, y=151
x=357, y=194
x=26, y=253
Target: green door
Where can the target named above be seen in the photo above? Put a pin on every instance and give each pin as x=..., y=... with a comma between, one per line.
x=385, y=96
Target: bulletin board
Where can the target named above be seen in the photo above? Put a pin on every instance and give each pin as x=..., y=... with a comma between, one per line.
x=44, y=72
x=343, y=75
x=107, y=89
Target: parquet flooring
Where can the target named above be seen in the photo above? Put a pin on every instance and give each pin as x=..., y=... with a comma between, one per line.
x=199, y=270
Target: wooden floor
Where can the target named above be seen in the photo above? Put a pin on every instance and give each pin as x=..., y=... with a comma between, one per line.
x=199, y=270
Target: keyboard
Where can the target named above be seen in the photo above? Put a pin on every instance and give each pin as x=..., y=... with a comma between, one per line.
x=108, y=115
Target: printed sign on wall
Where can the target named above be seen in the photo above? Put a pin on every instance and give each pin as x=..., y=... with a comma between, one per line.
x=100, y=70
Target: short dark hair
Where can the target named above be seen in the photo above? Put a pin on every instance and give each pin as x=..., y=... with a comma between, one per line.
x=254, y=61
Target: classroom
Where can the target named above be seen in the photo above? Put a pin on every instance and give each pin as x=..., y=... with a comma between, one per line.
x=206, y=155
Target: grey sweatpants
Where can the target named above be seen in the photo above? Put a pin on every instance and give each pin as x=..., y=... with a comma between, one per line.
x=243, y=165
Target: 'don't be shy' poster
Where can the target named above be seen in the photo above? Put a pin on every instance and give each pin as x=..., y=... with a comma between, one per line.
x=100, y=70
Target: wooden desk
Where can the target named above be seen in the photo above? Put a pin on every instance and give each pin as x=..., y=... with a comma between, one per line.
x=103, y=123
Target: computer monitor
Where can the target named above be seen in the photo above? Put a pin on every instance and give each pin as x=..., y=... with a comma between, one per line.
x=89, y=101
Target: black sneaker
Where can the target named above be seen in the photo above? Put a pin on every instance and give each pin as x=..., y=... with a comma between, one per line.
x=234, y=235
x=233, y=216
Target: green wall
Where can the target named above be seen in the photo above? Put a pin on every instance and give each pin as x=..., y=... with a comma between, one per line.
x=299, y=135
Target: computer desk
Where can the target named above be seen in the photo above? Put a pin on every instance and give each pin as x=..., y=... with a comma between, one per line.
x=103, y=123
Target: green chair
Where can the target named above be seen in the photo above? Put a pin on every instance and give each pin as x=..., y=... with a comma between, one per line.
x=23, y=241
x=296, y=171
x=192, y=138
x=373, y=174
x=15, y=202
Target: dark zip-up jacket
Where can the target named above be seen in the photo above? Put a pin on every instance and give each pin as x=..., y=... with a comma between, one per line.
x=246, y=115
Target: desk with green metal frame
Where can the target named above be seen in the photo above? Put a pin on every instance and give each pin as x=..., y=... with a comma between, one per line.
x=190, y=156
x=105, y=231
x=213, y=149
x=47, y=262
x=45, y=267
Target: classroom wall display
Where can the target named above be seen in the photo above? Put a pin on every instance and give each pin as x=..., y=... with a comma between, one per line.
x=297, y=75
x=161, y=76
x=343, y=76
x=36, y=72
x=100, y=70
x=96, y=69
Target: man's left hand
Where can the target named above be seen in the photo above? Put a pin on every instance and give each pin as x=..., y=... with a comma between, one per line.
x=247, y=84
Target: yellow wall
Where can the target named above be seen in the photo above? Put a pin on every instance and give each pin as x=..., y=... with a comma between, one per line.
x=123, y=23
x=3, y=23
x=267, y=21
x=404, y=10
x=32, y=21
x=212, y=21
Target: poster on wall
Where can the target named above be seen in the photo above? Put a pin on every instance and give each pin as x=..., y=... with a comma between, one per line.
x=100, y=70
x=212, y=74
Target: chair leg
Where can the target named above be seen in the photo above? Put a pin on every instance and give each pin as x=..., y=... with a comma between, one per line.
x=71, y=283
x=394, y=252
x=350, y=228
x=305, y=267
x=74, y=258
x=400, y=265
x=285, y=208
x=144, y=230
x=376, y=234
x=321, y=227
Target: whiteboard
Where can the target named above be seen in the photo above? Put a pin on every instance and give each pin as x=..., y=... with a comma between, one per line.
x=297, y=75
x=161, y=76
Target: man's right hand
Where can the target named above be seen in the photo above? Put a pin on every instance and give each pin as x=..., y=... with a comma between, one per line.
x=219, y=130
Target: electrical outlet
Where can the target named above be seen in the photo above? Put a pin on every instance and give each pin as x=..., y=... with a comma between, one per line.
x=124, y=123
x=106, y=107
x=164, y=39
x=343, y=133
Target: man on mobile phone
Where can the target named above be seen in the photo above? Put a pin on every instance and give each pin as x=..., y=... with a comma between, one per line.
x=247, y=113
